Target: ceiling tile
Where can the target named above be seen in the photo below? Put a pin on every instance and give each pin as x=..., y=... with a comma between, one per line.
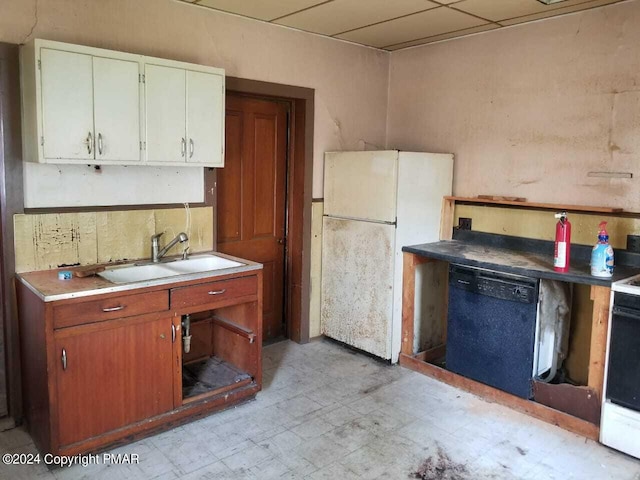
x=559, y=11
x=260, y=9
x=420, y=25
x=502, y=9
x=444, y=36
x=343, y=15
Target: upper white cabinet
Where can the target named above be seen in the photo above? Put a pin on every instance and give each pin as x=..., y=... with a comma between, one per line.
x=205, y=129
x=182, y=115
x=116, y=109
x=92, y=106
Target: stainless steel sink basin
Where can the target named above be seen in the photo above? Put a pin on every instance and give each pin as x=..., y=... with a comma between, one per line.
x=141, y=273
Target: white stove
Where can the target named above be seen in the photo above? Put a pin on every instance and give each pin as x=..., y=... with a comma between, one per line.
x=620, y=423
x=629, y=285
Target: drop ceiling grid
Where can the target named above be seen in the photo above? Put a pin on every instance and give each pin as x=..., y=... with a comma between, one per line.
x=341, y=16
x=392, y=25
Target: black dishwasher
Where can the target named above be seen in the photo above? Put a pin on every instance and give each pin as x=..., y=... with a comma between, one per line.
x=491, y=328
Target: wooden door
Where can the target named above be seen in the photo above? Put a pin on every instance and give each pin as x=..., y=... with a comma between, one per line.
x=252, y=196
x=116, y=94
x=67, y=105
x=165, y=113
x=114, y=376
x=205, y=104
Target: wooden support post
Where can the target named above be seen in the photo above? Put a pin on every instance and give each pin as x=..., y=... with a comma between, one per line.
x=601, y=297
x=446, y=218
x=408, y=301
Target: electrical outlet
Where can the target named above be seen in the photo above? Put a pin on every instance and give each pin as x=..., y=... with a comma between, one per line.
x=464, y=223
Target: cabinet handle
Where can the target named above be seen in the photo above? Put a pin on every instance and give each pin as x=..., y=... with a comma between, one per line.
x=191, y=147
x=113, y=309
x=64, y=359
x=90, y=143
x=100, y=143
x=217, y=292
x=183, y=147
x=173, y=333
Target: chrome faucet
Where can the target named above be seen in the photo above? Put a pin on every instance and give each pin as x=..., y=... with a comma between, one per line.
x=157, y=254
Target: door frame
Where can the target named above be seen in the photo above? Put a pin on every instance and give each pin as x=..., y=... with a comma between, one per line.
x=298, y=207
x=11, y=202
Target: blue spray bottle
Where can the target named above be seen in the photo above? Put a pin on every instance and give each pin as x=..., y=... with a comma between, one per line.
x=602, y=255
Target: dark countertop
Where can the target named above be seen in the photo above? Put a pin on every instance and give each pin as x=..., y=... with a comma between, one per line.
x=507, y=254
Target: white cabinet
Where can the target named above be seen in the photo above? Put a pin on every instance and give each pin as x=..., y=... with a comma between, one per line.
x=87, y=105
x=183, y=115
x=67, y=91
x=116, y=108
x=90, y=108
x=165, y=97
x=205, y=97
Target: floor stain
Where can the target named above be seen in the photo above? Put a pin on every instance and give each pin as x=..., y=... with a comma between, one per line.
x=441, y=467
x=521, y=451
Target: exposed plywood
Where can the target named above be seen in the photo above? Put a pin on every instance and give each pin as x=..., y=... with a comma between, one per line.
x=577, y=362
x=316, y=269
x=432, y=22
x=431, y=289
x=342, y=15
x=50, y=241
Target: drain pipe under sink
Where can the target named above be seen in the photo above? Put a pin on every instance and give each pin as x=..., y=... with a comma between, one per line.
x=186, y=333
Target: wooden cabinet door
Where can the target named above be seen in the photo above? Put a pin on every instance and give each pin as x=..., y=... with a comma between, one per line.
x=165, y=111
x=205, y=118
x=67, y=105
x=116, y=93
x=111, y=375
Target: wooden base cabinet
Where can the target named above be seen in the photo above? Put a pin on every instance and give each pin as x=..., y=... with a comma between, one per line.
x=106, y=369
x=111, y=375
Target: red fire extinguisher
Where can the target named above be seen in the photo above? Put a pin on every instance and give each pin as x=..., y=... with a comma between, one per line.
x=563, y=243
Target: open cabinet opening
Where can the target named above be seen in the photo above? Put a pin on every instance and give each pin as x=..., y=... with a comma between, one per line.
x=218, y=351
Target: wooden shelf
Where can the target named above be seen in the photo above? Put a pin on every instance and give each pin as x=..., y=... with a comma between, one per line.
x=548, y=206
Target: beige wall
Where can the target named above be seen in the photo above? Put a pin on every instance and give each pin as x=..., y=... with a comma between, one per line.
x=350, y=81
x=529, y=110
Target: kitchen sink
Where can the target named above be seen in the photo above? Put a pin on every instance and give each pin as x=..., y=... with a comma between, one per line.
x=141, y=273
x=203, y=263
x=137, y=273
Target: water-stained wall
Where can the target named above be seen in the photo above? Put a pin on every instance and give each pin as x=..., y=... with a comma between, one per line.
x=537, y=111
x=350, y=81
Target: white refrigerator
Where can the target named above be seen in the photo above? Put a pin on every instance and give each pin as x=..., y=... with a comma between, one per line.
x=374, y=204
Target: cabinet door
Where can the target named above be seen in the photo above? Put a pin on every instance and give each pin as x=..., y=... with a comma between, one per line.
x=116, y=109
x=112, y=376
x=165, y=100
x=205, y=114
x=67, y=105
